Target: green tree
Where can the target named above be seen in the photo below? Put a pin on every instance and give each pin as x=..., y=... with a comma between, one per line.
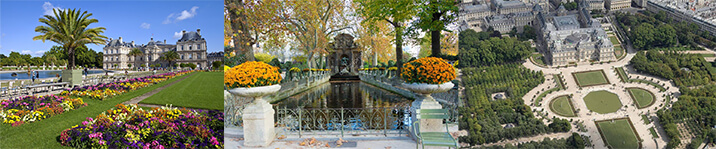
x=643, y=36
x=216, y=65
x=129, y=65
x=37, y=61
x=395, y=12
x=69, y=29
x=665, y=35
x=433, y=16
x=169, y=56
x=50, y=59
x=135, y=52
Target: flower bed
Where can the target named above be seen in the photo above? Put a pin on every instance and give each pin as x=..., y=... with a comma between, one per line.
x=430, y=70
x=107, y=90
x=28, y=109
x=127, y=126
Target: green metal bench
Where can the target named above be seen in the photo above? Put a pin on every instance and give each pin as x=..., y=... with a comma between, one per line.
x=433, y=138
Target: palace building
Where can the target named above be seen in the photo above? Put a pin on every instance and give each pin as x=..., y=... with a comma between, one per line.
x=191, y=48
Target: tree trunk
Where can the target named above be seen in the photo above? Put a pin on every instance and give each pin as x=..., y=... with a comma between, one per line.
x=399, y=48
x=435, y=43
x=240, y=42
x=71, y=58
x=435, y=38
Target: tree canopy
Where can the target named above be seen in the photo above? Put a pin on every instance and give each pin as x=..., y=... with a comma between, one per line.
x=69, y=29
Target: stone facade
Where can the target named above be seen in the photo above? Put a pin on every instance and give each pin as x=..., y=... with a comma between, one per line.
x=570, y=38
x=501, y=15
x=618, y=4
x=214, y=56
x=191, y=48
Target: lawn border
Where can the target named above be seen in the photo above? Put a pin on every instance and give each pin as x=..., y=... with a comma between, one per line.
x=633, y=129
x=604, y=75
x=633, y=98
x=571, y=105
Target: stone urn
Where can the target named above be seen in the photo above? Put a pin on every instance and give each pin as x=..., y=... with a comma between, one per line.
x=427, y=102
x=258, y=116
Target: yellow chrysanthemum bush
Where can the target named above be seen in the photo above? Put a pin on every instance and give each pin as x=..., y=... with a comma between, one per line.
x=252, y=74
x=430, y=70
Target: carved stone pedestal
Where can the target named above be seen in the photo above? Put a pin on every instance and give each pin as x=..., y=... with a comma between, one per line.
x=258, y=124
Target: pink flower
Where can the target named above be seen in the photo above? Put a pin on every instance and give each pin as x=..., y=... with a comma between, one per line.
x=102, y=142
x=85, y=123
x=213, y=141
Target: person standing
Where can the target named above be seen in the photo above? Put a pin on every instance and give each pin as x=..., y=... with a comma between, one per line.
x=37, y=74
x=32, y=75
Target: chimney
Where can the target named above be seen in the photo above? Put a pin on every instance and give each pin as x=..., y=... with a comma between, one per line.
x=198, y=31
x=132, y=42
x=183, y=32
x=120, y=39
x=110, y=38
x=165, y=41
x=151, y=39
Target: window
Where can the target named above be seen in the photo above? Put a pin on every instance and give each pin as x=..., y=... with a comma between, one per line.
x=189, y=47
x=190, y=55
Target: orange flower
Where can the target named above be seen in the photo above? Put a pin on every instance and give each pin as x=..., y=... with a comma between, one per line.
x=430, y=70
x=252, y=74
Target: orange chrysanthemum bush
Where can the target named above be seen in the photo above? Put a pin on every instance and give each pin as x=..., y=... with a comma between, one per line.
x=430, y=70
x=252, y=74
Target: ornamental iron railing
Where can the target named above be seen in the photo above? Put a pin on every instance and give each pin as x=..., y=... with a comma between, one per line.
x=379, y=121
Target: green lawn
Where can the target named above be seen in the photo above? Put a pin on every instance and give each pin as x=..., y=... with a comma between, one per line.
x=602, y=102
x=653, y=132
x=590, y=78
x=708, y=55
x=559, y=81
x=622, y=74
x=562, y=106
x=203, y=90
x=645, y=119
x=642, y=97
x=618, y=134
x=618, y=51
x=541, y=95
x=538, y=59
x=661, y=88
x=614, y=40
x=45, y=133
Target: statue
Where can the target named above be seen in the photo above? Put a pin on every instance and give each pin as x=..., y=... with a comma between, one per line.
x=344, y=63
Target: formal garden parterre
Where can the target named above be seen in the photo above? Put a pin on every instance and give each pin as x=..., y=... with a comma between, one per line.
x=643, y=98
x=619, y=133
x=602, y=102
x=590, y=78
x=563, y=106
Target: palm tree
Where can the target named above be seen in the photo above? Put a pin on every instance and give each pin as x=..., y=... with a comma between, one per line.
x=135, y=52
x=169, y=56
x=69, y=29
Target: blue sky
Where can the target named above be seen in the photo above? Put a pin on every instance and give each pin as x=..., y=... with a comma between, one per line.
x=132, y=20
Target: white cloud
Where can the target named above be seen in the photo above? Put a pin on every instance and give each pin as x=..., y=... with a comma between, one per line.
x=33, y=53
x=177, y=35
x=145, y=25
x=48, y=8
x=183, y=15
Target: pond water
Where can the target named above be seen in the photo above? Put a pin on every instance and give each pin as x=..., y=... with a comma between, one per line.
x=43, y=74
x=338, y=106
x=344, y=95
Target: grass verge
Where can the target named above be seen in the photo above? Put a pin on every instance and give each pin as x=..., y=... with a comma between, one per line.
x=203, y=90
